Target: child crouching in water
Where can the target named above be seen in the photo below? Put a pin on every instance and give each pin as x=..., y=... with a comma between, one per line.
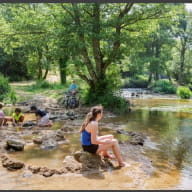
x=18, y=117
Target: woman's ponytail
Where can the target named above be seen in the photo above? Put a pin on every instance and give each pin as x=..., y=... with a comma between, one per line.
x=86, y=121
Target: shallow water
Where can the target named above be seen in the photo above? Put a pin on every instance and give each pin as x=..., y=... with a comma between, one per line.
x=169, y=147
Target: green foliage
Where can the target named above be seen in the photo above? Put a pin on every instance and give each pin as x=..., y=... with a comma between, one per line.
x=163, y=86
x=14, y=65
x=109, y=101
x=4, y=87
x=184, y=92
x=107, y=98
x=139, y=81
x=10, y=97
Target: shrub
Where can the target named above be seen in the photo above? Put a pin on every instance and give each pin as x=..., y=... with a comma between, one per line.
x=10, y=97
x=164, y=86
x=139, y=81
x=108, y=100
x=4, y=87
x=184, y=92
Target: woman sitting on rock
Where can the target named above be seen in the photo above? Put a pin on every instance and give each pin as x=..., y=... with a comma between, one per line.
x=95, y=144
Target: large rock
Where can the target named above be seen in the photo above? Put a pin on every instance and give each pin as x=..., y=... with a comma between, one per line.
x=15, y=144
x=71, y=164
x=92, y=162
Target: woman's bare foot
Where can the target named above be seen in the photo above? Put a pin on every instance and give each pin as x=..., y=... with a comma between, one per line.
x=123, y=164
x=109, y=156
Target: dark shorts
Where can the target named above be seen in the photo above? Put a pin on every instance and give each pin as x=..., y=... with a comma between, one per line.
x=90, y=148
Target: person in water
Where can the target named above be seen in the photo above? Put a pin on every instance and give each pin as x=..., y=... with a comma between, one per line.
x=42, y=117
x=95, y=144
x=2, y=115
x=3, y=118
x=18, y=117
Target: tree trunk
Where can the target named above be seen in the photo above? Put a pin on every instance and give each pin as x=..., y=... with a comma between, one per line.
x=40, y=73
x=46, y=73
x=150, y=78
x=182, y=63
x=62, y=69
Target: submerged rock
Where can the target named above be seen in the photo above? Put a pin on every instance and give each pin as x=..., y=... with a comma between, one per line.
x=60, y=135
x=49, y=144
x=34, y=169
x=29, y=124
x=15, y=144
x=11, y=164
x=38, y=140
x=45, y=171
x=68, y=129
x=135, y=138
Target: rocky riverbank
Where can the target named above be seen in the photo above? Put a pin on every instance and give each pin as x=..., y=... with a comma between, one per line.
x=16, y=140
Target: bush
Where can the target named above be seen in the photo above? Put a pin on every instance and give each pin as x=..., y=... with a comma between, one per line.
x=139, y=81
x=108, y=100
x=4, y=87
x=164, y=86
x=184, y=92
x=10, y=97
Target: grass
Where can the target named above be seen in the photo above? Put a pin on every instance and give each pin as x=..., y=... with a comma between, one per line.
x=26, y=90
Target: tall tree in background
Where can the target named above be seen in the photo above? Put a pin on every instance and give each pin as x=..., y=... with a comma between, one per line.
x=182, y=33
x=100, y=30
x=30, y=30
x=156, y=52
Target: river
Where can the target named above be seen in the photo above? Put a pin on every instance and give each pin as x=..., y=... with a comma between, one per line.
x=166, y=122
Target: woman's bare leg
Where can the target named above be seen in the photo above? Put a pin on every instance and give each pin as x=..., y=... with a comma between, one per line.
x=105, y=137
x=105, y=152
x=116, y=151
x=115, y=147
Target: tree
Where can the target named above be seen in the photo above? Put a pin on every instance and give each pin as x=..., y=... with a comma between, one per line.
x=182, y=33
x=31, y=31
x=156, y=52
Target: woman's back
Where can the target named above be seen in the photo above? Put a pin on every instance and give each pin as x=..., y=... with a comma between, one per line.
x=86, y=133
x=85, y=137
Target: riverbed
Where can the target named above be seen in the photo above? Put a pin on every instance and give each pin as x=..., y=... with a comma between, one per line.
x=168, y=126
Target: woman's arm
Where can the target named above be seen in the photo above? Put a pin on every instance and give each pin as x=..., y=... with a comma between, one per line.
x=94, y=138
x=105, y=137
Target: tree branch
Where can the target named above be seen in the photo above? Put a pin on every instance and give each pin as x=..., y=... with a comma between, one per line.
x=98, y=56
x=67, y=10
x=24, y=33
x=116, y=44
x=87, y=12
x=83, y=50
